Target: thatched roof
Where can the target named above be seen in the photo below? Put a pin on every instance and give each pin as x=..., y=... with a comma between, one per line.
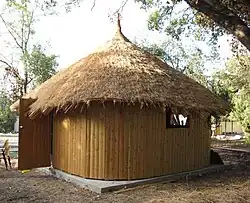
x=122, y=72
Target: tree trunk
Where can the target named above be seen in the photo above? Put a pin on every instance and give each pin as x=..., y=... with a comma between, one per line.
x=224, y=17
x=25, y=85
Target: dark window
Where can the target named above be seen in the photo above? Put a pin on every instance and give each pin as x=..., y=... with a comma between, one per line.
x=176, y=120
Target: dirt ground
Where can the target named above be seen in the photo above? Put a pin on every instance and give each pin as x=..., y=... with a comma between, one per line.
x=229, y=186
x=229, y=143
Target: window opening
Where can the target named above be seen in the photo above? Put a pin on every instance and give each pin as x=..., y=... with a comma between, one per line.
x=176, y=120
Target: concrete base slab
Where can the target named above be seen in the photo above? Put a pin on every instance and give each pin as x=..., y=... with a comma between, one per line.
x=101, y=186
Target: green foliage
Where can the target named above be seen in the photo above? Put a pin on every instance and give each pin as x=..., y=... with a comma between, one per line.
x=195, y=68
x=234, y=82
x=19, y=18
x=247, y=139
x=190, y=62
x=190, y=17
x=39, y=65
x=177, y=19
x=219, y=87
x=7, y=118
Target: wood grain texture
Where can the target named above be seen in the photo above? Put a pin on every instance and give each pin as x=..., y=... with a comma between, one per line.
x=125, y=142
x=34, y=146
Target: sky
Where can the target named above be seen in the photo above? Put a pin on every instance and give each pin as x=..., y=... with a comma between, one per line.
x=76, y=34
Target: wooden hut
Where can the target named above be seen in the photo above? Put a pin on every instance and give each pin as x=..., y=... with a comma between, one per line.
x=118, y=114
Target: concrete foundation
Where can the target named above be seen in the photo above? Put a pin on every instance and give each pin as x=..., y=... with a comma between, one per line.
x=101, y=186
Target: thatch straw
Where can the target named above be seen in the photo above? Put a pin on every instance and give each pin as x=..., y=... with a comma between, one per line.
x=121, y=71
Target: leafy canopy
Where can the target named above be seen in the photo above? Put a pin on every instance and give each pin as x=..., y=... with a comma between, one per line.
x=28, y=64
x=234, y=82
x=7, y=118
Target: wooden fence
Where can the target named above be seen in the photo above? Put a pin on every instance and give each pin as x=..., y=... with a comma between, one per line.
x=227, y=127
x=13, y=142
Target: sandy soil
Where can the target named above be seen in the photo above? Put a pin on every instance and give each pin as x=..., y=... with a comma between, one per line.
x=230, y=186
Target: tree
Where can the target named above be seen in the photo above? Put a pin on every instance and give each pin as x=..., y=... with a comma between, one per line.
x=229, y=14
x=235, y=80
x=174, y=57
x=7, y=118
x=214, y=16
x=19, y=19
x=39, y=65
x=190, y=62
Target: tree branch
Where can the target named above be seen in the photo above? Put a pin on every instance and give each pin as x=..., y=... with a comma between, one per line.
x=11, y=70
x=6, y=63
x=29, y=81
x=224, y=17
x=9, y=30
x=93, y=6
x=29, y=31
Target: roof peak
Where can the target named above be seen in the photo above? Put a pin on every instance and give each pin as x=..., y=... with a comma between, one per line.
x=119, y=21
x=119, y=29
x=119, y=35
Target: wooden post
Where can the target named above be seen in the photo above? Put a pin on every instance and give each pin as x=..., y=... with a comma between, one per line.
x=9, y=162
x=4, y=158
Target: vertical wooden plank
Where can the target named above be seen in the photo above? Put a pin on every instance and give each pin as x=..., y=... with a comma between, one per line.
x=176, y=148
x=101, y=144
x=97, y=136
x=54, y=143
x=106, y=150
x=150, y=144
x=111, y=143
x=80, y=144
x=173, y=153
x=161, y=144
x=69, y=140
x=187, y=143
x=165, y=146
x=116, y=141
x=73, y=150
x=121, y=142
x=78, y=136
x=146, y=141
x=84, y=142
x=88, y=141
x=145, y=145
x=130, y=146
x=57, y=143
x=183, y=155
x=62, y=156
x=125, y=118
x=196, y=153
x=155, y=137
x=139, y=140
x=142, y=157
x=135, y=142
x=91, y=147
x=199, y=143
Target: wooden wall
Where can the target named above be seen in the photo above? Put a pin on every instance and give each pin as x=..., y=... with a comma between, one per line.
x=127, y=143
x=34, y=147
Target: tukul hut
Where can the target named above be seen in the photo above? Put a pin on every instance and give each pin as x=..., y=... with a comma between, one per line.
x=118, y=114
